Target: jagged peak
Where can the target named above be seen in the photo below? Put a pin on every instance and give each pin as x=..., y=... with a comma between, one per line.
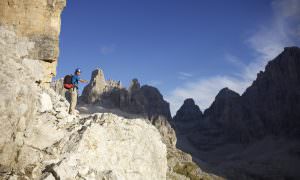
x=97, y=72
x=227, y=93
x=189, y=105
x=189, y=102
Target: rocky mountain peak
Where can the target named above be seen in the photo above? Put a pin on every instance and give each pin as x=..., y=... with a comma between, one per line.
x=226, y=93
x=95, y=87
x=98, y=75
x=189, y=102
x=188, y=116
x=189, y=108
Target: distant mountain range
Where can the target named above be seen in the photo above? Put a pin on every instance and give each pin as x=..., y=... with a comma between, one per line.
x=270, y=107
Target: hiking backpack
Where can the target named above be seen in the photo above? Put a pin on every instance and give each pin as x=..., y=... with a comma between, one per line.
x=68, y=82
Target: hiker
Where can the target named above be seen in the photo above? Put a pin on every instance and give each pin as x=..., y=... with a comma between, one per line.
x=71, y=83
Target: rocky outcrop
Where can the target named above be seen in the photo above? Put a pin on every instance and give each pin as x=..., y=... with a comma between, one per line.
x=95, y=87
x=39, y=22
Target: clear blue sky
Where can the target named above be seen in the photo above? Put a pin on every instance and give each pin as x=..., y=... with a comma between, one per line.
x=176, y=45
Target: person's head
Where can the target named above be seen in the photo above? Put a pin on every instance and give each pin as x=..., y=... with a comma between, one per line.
x=77, y=71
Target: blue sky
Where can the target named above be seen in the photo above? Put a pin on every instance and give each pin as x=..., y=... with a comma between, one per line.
x=186, y=48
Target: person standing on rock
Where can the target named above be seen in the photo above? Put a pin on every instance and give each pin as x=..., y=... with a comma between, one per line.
x=74, y=91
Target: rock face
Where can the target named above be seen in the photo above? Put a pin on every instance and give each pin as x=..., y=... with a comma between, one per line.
x=266, y=115
x=274, y=96
x=39, y=21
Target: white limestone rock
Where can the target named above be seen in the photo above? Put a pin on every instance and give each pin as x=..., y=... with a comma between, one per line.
x=45, y=102
x=127, y=149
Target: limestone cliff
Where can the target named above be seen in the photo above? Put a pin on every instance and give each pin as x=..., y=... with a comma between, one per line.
x=39, y=21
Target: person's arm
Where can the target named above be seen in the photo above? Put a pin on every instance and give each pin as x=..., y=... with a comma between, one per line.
x=83, y=81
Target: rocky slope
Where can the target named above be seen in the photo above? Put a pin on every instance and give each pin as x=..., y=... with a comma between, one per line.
x=240, y=129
